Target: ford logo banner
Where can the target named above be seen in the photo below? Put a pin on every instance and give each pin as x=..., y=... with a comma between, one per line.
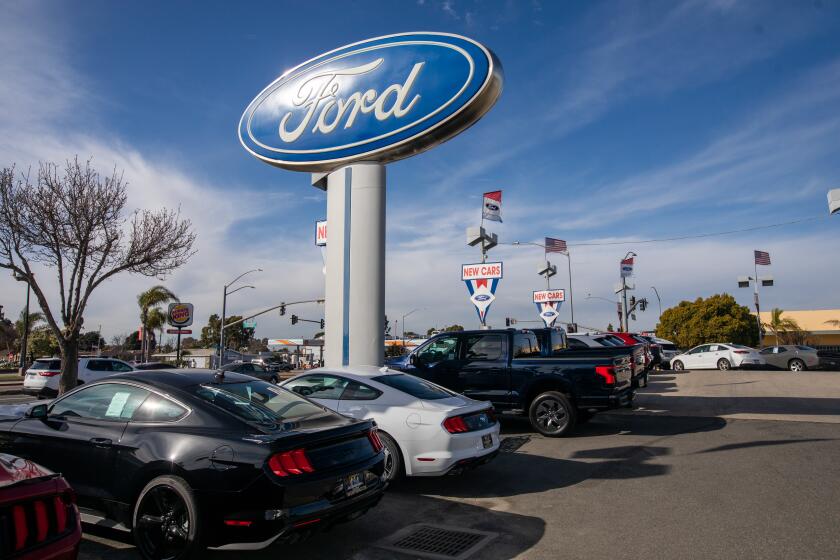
x=482, y=297
x=380, y=100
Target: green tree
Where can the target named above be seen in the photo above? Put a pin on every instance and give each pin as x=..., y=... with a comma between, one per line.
x=236, y=336
x=785, y=329
x=610, y=328
x=90, y=341
x=43, y=343
x=718, y=318
x=149, y=301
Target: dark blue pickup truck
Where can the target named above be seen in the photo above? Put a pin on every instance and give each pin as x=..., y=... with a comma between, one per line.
x=527, y=371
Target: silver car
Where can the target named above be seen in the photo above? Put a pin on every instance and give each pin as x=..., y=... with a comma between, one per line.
x=794, y=357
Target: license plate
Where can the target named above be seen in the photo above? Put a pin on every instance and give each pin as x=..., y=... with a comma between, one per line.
x=487, y=441
x=354, y=483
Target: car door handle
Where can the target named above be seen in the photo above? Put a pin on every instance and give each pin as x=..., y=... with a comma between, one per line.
x=101, y=442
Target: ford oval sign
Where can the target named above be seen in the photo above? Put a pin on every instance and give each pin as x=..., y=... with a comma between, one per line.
x=377, y=100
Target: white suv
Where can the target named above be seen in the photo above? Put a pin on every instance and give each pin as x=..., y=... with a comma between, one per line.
x=42, y=377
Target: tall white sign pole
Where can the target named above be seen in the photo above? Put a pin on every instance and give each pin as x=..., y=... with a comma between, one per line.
x=354, y=314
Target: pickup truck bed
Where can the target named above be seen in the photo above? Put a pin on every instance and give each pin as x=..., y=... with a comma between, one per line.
x=513, y=369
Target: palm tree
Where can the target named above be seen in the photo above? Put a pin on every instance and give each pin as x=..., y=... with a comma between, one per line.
x=156, y=322
x=782, y=327
x=833, y=322
x=35, y=319
x=148, y=300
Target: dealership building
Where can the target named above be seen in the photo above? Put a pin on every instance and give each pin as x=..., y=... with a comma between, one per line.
x=815, y=323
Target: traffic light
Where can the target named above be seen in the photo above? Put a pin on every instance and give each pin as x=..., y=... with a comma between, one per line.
x=322, y=323
x=282, y=309
x=507, y=321
x=632, y=301
x=643, y=304
x=294, y=319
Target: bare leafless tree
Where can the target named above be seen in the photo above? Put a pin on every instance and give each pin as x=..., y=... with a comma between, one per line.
x=74, y=220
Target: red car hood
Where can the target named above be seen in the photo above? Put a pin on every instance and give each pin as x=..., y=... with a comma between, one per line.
x=14, y=469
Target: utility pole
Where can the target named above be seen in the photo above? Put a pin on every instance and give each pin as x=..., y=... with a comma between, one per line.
x=763, y=259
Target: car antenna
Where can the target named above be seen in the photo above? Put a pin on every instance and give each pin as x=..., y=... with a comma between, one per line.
x=219, y=376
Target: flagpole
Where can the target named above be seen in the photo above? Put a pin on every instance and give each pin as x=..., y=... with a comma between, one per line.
x=571, y=297
x=757, y=306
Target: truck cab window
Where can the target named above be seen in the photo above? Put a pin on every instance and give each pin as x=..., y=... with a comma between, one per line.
x=439, y=349
x=525, y=345
x=487, y=347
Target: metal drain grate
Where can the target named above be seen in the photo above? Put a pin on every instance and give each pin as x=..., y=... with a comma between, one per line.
x=433, y=541
x=511, y=444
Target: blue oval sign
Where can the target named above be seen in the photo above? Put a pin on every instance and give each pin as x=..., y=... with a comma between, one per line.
x=549, y=313
x=377, y=100
x=482, y=297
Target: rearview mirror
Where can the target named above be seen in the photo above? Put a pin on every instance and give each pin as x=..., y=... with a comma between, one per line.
x=412, y=359
x=37, y=411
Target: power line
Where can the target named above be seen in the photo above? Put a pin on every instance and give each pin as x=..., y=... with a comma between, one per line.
x=702, y=235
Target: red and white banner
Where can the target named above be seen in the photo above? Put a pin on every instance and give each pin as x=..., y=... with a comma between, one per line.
x=492, y=209
x=321, y=233
x=627, y=267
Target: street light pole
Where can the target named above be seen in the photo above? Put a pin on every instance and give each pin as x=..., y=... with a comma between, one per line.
x=403, y=323
x=225, y=294
x=658, y=299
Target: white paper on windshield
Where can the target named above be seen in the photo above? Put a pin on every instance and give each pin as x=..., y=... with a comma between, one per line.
x=117, y=405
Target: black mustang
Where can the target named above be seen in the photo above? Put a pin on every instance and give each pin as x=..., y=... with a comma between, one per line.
x=189, y=460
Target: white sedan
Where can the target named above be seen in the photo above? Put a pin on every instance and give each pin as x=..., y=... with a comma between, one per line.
x=426, y=430
x=717, y=356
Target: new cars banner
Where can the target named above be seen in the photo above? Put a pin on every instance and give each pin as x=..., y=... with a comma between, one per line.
x=548, y=304
x=627, y=267
x=482, y=279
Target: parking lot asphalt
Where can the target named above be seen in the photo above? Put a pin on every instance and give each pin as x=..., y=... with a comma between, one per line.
x=710, y=465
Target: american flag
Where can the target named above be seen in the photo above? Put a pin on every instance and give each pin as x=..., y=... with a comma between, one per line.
x=555, y=245
x=762, y=257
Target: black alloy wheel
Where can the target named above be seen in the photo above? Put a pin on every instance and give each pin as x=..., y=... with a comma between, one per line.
x=724, y=365
x=552, y=414
x=678, y=366
x=166, y=520
x=393, y=457
x=797, y=365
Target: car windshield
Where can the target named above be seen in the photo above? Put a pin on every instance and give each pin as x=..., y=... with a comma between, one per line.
x=740, y=346
x=414, y=386
x=807, y=348
x=258, y=402
x=46, y=364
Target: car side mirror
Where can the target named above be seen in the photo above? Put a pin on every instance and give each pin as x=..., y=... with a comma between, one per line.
x=37, y=411
x=412, y=359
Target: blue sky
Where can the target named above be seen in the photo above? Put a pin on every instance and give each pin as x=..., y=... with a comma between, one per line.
x=619, y=121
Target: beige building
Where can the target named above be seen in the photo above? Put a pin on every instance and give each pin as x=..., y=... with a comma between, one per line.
x=814, y=321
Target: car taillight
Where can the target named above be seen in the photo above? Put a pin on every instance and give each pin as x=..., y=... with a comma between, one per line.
x=60, y=514
x=491, y=414
x=455, y=425
x=741, y=351
x=290, y=462
x=42, y=523
x=21, y=530
x=607, y=373
x=373, y=436
x=49, y=373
